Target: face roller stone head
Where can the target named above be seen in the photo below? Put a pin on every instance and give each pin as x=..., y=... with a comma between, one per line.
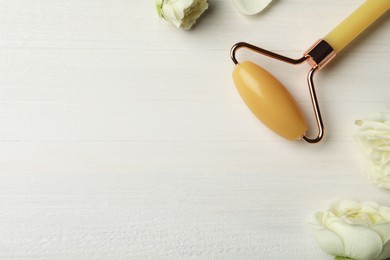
x=270, y=101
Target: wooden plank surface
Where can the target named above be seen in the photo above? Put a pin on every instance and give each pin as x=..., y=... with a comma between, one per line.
x=122, y=137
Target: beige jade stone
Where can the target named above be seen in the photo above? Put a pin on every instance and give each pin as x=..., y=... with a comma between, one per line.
x=269, y=100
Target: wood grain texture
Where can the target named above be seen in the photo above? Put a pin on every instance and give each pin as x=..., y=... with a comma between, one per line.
x=122, y=137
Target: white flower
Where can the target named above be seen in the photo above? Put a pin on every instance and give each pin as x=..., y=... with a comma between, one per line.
x=354, y=230
x=373, y=135
x=182, y=13
x=251, y=7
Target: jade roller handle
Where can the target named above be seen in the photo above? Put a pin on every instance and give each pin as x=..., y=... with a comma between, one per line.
x=356, y=23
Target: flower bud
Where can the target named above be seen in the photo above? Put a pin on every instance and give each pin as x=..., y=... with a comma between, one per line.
x=182, y=13
x=354, y=230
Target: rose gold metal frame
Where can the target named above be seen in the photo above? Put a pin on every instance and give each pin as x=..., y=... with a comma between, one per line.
x=317, y=56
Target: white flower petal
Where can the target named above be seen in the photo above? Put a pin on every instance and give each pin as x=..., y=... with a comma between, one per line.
x=383, y=230
x=342, y=206
x=360, y=242
x=385, y=212
x=329, y=242
x=250, y=7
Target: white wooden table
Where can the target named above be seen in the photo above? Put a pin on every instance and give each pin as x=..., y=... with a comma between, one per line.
x=122, y=137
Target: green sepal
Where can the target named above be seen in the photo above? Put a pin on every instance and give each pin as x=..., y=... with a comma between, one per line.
x=342, y=258
x=159, y=8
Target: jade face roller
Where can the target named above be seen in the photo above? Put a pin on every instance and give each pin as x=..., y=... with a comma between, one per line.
x=270, y=101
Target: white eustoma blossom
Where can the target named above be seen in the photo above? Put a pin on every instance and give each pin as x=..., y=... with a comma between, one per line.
x=251, y=7
x=355, y=230
x=182, y=13
x=373, y=135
